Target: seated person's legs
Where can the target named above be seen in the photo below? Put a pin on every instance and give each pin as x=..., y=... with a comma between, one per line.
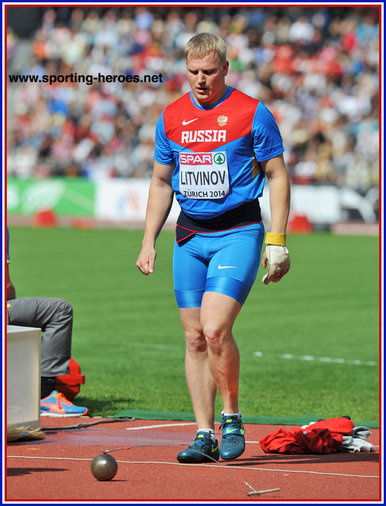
x=54, y=317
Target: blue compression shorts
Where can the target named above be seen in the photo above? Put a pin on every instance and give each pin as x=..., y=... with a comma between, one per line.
x=224, y=262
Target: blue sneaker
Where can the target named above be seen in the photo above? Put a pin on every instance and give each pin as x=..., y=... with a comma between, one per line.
x=56, y=404
x=233, y=440
x=200, y=450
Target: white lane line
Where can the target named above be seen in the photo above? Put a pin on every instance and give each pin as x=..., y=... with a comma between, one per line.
x=213, y=466
x=155, y=346
x=284, y=356
x=36, y=457
x=172, y=425
x=312, y=358
x=160, y=426
x=184, y=423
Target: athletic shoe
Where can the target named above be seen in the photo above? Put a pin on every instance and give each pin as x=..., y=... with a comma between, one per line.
x=200, y=450
x=56, y=404
x=232, y=441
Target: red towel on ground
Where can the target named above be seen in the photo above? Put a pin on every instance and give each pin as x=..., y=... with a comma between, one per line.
x=340, y=425
x=325, y=436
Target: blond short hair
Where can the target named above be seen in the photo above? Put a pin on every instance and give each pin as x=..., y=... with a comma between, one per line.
x=204, y=43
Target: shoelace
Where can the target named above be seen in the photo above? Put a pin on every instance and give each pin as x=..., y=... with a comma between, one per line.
x=233, y=422
x=236, y=423
x=62, y=400
x=199, y=441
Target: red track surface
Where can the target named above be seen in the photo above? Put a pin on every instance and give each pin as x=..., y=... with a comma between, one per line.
x=58, y=468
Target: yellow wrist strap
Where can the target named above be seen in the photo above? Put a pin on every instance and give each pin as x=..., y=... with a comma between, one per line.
x=276, y=239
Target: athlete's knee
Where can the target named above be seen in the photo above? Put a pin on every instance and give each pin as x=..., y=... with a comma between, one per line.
x=215, y=335
x=195, y=340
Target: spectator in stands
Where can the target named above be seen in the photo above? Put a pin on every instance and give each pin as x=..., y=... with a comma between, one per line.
x=317, y=71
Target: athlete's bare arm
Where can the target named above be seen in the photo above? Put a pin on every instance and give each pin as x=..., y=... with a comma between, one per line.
x=158, y=208
x=279, y=195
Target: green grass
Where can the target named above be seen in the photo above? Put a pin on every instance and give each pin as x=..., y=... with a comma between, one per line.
x=128, y=338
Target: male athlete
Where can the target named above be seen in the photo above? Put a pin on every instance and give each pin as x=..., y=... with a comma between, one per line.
x=214, y=147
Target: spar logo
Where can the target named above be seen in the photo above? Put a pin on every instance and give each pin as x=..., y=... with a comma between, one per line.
x=219, y=158
x=197, y=158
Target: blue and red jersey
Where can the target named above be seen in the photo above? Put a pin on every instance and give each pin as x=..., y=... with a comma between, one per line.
x=216, y=151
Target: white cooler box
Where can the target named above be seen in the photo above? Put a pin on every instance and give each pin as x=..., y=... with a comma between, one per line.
x=23, y=376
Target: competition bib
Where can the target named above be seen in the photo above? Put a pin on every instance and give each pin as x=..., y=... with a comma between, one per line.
x=204, y=175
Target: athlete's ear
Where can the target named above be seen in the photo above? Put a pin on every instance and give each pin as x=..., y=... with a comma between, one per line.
x=225, y=68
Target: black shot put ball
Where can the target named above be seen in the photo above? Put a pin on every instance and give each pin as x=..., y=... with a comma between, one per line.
x=104, y=467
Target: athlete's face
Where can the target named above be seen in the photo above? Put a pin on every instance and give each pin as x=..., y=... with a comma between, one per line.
x=206, y=77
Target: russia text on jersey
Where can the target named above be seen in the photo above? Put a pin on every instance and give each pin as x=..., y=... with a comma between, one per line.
x=203, y=136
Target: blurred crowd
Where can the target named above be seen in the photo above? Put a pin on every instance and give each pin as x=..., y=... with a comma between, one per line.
x=316, y=69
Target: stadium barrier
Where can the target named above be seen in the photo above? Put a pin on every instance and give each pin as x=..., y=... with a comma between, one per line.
x=118, y=201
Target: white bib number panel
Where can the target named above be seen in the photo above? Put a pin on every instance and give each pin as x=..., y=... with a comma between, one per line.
x=204, y=175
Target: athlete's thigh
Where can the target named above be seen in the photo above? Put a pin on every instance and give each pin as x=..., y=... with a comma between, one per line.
x=189, y=273
x=234, y=265
x=219, y=310
x=191, y=323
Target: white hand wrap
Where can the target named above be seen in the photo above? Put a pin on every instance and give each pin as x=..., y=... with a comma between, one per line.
x=278, y=261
